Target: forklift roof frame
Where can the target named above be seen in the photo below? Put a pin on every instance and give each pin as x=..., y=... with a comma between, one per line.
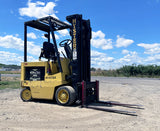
x=43, y=24
x=47, y=24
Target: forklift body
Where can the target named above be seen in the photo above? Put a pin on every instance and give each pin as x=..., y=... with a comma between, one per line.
x=41, y=83
x=57, y=77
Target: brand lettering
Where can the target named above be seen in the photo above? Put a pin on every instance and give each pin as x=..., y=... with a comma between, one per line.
x=74, y=33
x=74, y=39
x=53, y=77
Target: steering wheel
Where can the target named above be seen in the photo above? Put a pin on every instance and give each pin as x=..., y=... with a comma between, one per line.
x=64, y=42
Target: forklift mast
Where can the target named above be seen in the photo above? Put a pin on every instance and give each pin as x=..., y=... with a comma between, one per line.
x=81, y=35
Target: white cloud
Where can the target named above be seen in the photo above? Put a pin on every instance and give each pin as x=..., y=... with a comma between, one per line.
x=38, y=9
x=40, y=3
x=33, y=49
x=100, y=60
x=60, y=50
x=13, y=58
x=96, y=53
x=59, y=34
x=56, y=36
x=155, y=59
x=125, y=51
x=10, y=41
x=31, y=35
x=98, y=34
x=16, y=35
x=129, y=59
x=98, y=40
x=10, y=58
x=63, y=32
x=122, y=42
x=150, y=48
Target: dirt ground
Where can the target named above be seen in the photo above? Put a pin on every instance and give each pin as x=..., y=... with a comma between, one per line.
x=37, y=115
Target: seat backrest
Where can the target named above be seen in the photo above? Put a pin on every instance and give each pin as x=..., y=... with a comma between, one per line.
x=49, y=51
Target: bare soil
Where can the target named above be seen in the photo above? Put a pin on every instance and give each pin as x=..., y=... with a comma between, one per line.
x=46, y=115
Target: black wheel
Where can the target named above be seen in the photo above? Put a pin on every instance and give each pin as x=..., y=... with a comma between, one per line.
x=65, y=42
x=26, y=95
x=65, y=95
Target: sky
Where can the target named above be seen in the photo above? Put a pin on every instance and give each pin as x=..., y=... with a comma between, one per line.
x=124, y=32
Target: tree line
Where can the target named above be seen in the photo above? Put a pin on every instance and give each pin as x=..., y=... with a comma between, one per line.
x=9, y=66
x=130, y=71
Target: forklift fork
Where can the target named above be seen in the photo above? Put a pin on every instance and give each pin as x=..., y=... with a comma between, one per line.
x=90, y=100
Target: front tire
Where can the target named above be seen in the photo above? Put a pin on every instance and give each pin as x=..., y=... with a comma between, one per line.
x=26, y=95
x=65, y=95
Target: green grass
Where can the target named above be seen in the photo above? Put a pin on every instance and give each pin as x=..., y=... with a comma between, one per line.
x=9, y=84
x=9, y=72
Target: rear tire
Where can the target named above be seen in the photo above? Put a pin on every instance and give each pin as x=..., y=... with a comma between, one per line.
x=65, y=95
x=26, y=95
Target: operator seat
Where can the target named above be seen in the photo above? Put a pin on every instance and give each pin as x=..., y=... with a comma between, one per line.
x=48, y=51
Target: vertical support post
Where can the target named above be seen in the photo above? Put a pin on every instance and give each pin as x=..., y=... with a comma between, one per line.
x=97, y=90
x=55, y=45
x=25, y=43
x=48, y=37
x=83, y=94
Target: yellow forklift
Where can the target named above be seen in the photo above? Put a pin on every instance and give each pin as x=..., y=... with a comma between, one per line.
x=66, y=79
x=57, y=77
